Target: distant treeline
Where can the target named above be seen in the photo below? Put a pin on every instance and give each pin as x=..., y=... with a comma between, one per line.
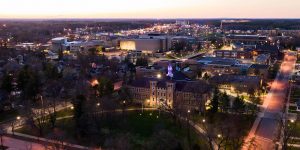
x=42, y=31
x=256, y=24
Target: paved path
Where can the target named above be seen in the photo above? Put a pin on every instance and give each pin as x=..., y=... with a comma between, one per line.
x=18, y=123
x=16, y=144
x=22, y=140
x=265, y=129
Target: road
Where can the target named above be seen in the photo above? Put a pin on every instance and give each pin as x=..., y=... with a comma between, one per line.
x=22, y=142
x=16, y=144
x=265, y=130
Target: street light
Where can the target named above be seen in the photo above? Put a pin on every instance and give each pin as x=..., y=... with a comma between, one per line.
x=219, y=135
x=98, y=104
x=203, y=120
x=13, y=124
x=292, y=121
x=148, y=101
x=189, y=111
x=72, y=107
x=158, y=76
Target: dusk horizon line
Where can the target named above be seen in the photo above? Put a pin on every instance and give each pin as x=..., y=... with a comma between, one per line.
x=216, y=18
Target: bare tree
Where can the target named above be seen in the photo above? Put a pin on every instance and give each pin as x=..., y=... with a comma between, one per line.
x=53, y=89
x=38, y=117
x=287, y=131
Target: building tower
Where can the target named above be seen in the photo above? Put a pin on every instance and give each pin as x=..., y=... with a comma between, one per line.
x=153, y=93
x=170, y=94
x=170, y=71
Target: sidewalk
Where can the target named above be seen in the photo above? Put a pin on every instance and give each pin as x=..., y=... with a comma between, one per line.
x=17, y=144
x=22, y=141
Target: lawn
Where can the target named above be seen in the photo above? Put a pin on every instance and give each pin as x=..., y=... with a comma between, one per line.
x=170, y=57
x=293, y=148
x=293, y=109
x=295, y=92
x=296, y=129
x=7, y=115
x=64, y=113
x=295, y=95
x=241, y=122
x=295, y=141
x=134, y=130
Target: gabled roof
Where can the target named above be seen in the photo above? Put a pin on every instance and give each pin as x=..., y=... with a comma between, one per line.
x=183, y=86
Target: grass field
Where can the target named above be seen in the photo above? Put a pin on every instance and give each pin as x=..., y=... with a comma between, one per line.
x=7, y=115
x=135, y=130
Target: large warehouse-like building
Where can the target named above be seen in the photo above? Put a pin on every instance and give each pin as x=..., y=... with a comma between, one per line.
x=149, y=45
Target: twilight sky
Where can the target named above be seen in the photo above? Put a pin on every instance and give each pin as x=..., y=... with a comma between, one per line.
x=150, y=9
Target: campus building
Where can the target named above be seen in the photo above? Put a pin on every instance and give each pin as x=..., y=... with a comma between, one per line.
x=170, y=92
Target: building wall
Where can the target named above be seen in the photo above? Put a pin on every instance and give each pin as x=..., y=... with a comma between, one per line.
x=186, y=100
x=170, y=94
x=264, y=73
x=153, y=93
x=216, y=70
x=240, y=87
x=155, y=96
x=143, y=44
x=233, y=54
x=139, y=94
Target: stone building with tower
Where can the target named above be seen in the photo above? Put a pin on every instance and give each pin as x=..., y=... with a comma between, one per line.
x=170, y=92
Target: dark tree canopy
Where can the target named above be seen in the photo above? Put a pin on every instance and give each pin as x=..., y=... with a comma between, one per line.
x=7, y=83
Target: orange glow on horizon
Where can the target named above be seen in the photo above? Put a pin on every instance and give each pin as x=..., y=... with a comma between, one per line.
x=149, y=9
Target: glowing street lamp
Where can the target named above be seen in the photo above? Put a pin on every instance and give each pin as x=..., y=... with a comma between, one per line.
x=158, y=76
x=98, y=104
x=94, y=83
x=148, y=101
x=219, y=135
x=292, y=121
x=203, y=120
x=18, y=117
x=72, y=107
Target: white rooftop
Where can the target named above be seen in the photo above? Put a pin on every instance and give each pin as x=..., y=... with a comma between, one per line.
x=59, y=38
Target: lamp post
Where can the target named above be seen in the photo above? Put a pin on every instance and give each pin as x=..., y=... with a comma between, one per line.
x=124, y=103
x=142, y=107
x=158, y=76
x=188, y=126
x=13, y=124
x=98, y=106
